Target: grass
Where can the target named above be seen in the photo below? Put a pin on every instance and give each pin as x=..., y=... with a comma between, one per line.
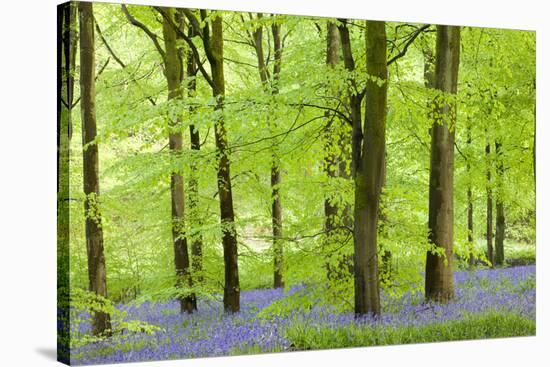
x=515, y=253
x=485, y=326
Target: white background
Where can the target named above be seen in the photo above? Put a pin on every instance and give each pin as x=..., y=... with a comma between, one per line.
x=28, y=169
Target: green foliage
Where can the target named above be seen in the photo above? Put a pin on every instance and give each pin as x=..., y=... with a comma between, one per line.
x=485, y=326
x=495, y=102
x=84, y=304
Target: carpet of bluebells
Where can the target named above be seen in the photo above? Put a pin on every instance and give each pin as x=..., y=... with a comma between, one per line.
x=209, y=332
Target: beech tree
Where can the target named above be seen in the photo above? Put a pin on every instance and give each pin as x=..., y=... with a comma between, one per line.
x=174, y=76
x=489, y=189
x=270, y=82
x=368, y=150
x=338, y=215
x=439, y=261
x=211, y=34
x=97, y=273
x=500, y=219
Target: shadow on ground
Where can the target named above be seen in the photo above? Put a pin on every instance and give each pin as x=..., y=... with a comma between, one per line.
x=48, y=353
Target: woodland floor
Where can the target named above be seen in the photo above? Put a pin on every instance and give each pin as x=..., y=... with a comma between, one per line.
x=489, y=303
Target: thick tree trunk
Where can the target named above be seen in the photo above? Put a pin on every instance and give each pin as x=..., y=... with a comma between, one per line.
x=101, y=323
x=174, y=75
x=500, y=219
x=489, y=229
x=66, y=52
x=439, y=269
x=193, y=191
x=369, y=175
x=214, y=51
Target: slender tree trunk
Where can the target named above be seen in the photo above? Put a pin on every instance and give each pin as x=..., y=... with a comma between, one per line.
x=439, y=269
x=489, y=233
x=500, y=219
x=469, y=194
x=231, y=294
x=332, y=157
x=276, y=206
x=101, y=323
x=471, y=257
x=174, y=75
x=194, y=216
x=369, y=175
x=66, y=52
x=354, y=99
x=386, y=270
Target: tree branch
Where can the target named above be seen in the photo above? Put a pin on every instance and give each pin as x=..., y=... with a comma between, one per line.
x=117, y=59
x=144, y=28
x=189, y=41
x=408, y=43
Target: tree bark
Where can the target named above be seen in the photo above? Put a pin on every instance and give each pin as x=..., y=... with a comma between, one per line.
x=211, y=32
x=332, y=158
x=354, y=98
x=193, y=191
x=173, y=71
x=276, y=205
x=489, y=230
x=439, y=272
x=369, y=174
x=101, y=323
x=500, y=219
x=469, y=195
x=386, y=268
x=214, y=52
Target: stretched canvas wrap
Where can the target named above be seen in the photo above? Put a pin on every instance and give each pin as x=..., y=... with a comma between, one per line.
x=238, y=183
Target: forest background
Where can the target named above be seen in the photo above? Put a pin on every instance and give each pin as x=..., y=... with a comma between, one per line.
x=33, y=180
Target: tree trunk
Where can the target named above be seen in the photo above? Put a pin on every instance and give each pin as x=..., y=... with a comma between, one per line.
x=500, y=220
x=489, y=233
x=469, y=194
x=354, y=99
x=214, y=51
x=66, y=52
x=439, y=269
x=174, y=74
x=193, y=191
x=332, y=157
x=471, y=257
x=101, y=323
x=369, y=175
x=276, y=206
x=386, y=270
